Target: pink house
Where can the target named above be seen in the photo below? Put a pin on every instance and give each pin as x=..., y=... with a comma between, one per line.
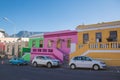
x=57, y=44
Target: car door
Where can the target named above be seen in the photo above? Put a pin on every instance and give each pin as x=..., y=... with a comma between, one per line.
x=43, y=60
x=39, y=60
x=87, y=62
x=80, y=62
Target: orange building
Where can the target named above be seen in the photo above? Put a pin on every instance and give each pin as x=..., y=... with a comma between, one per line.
x=99, y=41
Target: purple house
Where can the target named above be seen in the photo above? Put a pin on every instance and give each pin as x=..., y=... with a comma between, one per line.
x=57, y=44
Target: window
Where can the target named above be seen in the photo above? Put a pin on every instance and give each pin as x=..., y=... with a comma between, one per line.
x=98, y=37
x=85, y=38
x=40, y=57
x=19, y=48
x=33, y=43
x=77, y=58
x=85, y=58
x=113, y=36
x=49, y=43
x=41, y=44
x=68, y=43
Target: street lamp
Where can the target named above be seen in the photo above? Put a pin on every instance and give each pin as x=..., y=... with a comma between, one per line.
x=8, y=20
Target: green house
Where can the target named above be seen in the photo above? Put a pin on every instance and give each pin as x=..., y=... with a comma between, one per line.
x=33, y=42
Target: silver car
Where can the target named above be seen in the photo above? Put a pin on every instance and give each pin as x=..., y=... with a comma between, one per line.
x=45, y=60
x=86, y=62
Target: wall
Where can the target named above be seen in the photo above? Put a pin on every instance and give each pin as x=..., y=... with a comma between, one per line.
x=37, y=42
x=111, y=58
x=15, y=45
x=63, y=36
x=92, y=35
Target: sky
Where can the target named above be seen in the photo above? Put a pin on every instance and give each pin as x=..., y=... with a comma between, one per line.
x=55, y=15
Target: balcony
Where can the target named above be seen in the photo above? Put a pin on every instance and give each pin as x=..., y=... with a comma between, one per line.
x=107, y=45
x=53, y=52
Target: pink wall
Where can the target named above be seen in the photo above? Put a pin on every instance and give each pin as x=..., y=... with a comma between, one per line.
x=53, y=52
x=60, y=53
x=65, y=35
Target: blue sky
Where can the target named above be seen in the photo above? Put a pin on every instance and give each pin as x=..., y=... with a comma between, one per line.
x=55, y=15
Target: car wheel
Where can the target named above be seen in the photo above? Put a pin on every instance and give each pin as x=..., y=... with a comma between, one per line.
x=49, y=65
x=35, y=64
x=72, y=66
x=96, y=67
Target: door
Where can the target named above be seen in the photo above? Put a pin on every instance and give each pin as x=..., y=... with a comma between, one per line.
x=86, y=62
x=59, y=43
x=99, y=37
x=79, y=62
x=73, y=47
x=42, y=60
x=39, y=60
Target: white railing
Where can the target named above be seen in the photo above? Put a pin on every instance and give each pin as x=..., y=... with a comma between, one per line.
x=105, y=45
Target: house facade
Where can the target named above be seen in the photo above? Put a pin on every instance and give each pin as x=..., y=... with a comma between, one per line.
x=13, y=46
x=99, y=41
x=57, y=44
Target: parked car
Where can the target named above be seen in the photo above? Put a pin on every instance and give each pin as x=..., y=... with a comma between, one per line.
x=18, y=61
x=86, y=62
x=45, y=61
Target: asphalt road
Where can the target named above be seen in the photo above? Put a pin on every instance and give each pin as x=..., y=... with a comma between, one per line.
x=13, y=72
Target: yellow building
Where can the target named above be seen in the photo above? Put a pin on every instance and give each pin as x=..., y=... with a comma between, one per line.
x=99, y=41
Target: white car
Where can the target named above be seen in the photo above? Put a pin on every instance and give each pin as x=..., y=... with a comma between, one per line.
x=86, y=62
x=45, y=60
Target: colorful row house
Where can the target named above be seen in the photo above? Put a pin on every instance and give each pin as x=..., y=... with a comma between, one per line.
x=12, y=46
x=56, y=44
x=35, y=41
x=99, y=41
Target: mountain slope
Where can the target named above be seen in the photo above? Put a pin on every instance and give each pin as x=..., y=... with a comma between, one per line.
x=25, y=34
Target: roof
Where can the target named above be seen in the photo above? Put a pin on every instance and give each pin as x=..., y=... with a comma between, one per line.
x=60, y=32
x=98, y=25
x=37, y=35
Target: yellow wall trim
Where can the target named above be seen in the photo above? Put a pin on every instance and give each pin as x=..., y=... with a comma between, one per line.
x=98, y=51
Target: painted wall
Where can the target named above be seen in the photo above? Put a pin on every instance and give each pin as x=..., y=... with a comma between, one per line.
x=14, y=48
x=63, y=36
x=59, y=44
x=92, y=35
x=37, y=42
x=111, y=58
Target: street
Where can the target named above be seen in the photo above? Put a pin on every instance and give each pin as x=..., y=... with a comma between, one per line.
x=13, y=72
